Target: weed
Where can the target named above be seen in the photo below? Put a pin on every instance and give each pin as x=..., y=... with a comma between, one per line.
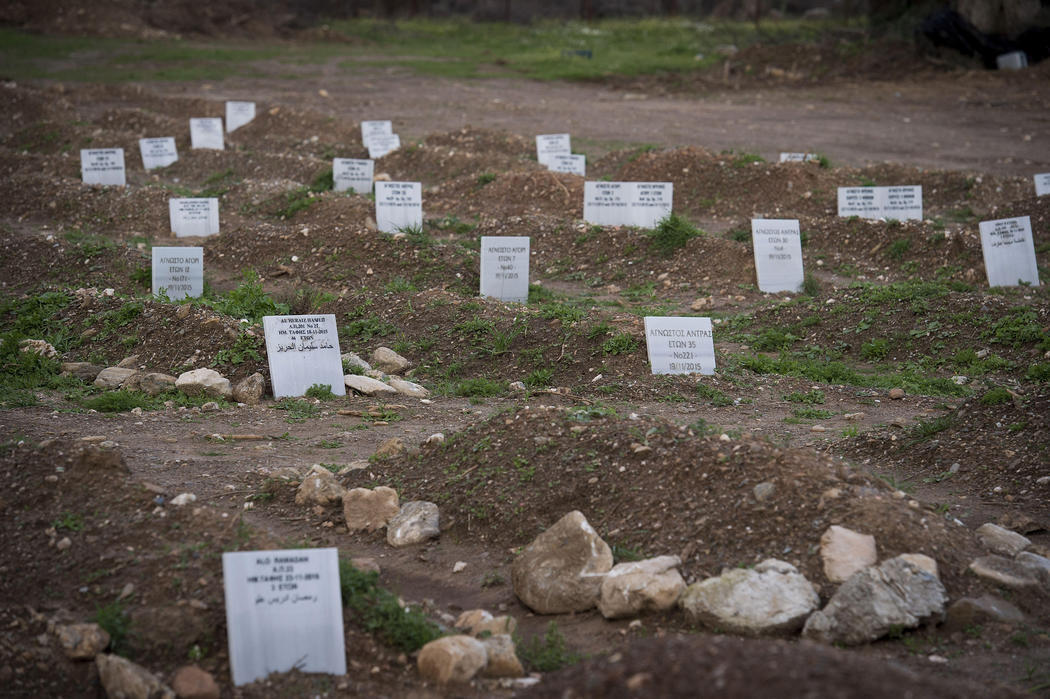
x=248, y=301
x=310, y=300
x=540, y=378
x=492, y=579
x=324, y=182
x=713, y=396
x=672, y=233
x=898, y=248
x=813, y=397
x=1038, y=372
x=366, y=328
x=380, y=612
x=996, y=396
x=1019, y=328
x=562, y=311
x=740, y=235
x=599, y=331
x=245, y=347
x=480, y=387
x=297, y=410
x=329, y=444
x=114, y=620
x=547, y=653
x=773, y=339
x=875, y=350
x=812, y=413
x=925, y=429
x=320, y=391
x=485, y=177
x=621, y=343
x=851, y=431
x=297, y=200
x=622, y=554
x=586, y=413
x=399, y=285
x=810, y=285
x=69, y=521
x=119, y=401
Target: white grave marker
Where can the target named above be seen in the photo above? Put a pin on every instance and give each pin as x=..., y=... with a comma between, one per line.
x=552, y=144
x=102, y=166
x=238, y=114
x=680, y=345
x=571, y=164
x=206, y=133
x=798, y=157
x=179, y=272
x=158, y=152
x=283, y=610
x=778, y=254
x=650, y=202
x=378, y=146
x=900, y=203
x=1009, y=251
x=399, y=205
x=348, y=174
x=607, y=203
x=370, y=129
x=194, y=217
x=1042, y=184
x=505, y=268
x=303, y=351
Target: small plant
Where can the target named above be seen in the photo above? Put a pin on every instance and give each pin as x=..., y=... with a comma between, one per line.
x=367, y=328
x=547, y=653
x=621, y=343
x=245, y=347
x=69, y=521
x=380, y=612
x=492, y=579
x=740, y=235
x=996, y=396
x=1038, y=372
x=297, y=410
x=713, y=396
x=118, y=401
x=851, y=431
x=115, y=621
x=812, y=413
x=925, y=429
x=480, y=387
x=399, y=285
x=599, y=331
x=810, y=285
x=876, y=350
x=773, y=339
x=540, y=378
x=486, y=177
x=813, y=397
x=898, y=248
x=320, y=391
x=624, y=554
x=248, y=301
x=672, y=233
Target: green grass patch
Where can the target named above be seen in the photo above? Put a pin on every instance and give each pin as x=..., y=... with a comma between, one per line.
x=480, y=388
x=671, y=234
x=297, y=409
x=379, y=612
x=546, y=653
x=621, y=343
x=812, y=413
x=713, y=396
x=813, y=397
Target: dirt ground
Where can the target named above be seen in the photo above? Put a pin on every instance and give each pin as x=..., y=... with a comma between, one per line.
x=512, y=464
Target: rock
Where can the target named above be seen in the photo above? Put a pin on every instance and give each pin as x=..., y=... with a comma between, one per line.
x=352, y=359
x=389, y=361
x=368, y=565
x=897, y=594
x=250, y=389
x=1002, y=541
x=960, y=380
x=563, y=568
x=64, y=543
x=896, y=393
x=764, y=491
x=845, y=552
x=640, y=586
x=183, y=499
x=772, y=598
x=459, y=566
x=502, y=657
x=113, y=377
x=436, y=438
x=204, y=382
x=152, y=382
x=452, y=659
x=1038, y=563
x=368, y=386
x=319, y=487
x=970, y=611
x=85, y=371
x=123, y=679
x=82, y=641
x=210, y=407
x=1003, y=571
x=818, y=428
x=478, y=621
x=923, y=562
x=517, y=386
x=407, y=388
x=130, y=362
x=417, y=522
x=42, y=348
x=369, y=510
x=191, y=682
x=391, y=447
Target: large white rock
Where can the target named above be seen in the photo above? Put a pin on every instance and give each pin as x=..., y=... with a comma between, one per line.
x=417, y=522
x=502, y=657
x=368, y=386
x=204, y=382
x=389, y=361
x=1005, y=572
x=113, y=377
x=563, y=568
x=771, y=598
x=123, y=679
x=369, y=510
x=407, y=388
x=640, y=586
x=152, y=382
x=479, y=621
x=897, y=594
x=352, y=359
x=845, y=551
x=1001, y=540
x=319, y=487
x=452, y=659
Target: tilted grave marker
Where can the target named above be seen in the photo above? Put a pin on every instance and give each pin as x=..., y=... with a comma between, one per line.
x=206, y=133
x=505, y=268
x=303, y=351
x=651, y=202
x=778, y=254
x=1042, y=184
x=370, y=129
x=158, y=152
x=571, y=164
x=194, y=216
x=679, y=345
x=1009, y=252
x=238, y=114
x=378, y=146
x=551, y=144
x=178, y=271
x=351, y=174
x=283, y=611
x=399, y=205
x=901, y=203
x=103, y=166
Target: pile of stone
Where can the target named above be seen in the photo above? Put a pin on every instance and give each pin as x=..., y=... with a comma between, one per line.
x=382, y=376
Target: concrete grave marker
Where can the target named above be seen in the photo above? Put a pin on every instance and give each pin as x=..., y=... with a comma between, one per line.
x=194, y=217
x=1042, y=184
x=650, y=202
x=178, y=271
x=303, y=351
x=158, y=152
x=369, y=129
x=206, y=133
x=350, y=174
x=238, y=114
x=505, y=268
x=102, y=166
x=859, y=201
x=1009, y=251
x=900, y=203
x=571, y=164
x=778, y=254
x=283, y=610
x=399, y=205
x=679, y=345
x=607, y=203
x=552, y=144
x=798, y=157
x=378, y=146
